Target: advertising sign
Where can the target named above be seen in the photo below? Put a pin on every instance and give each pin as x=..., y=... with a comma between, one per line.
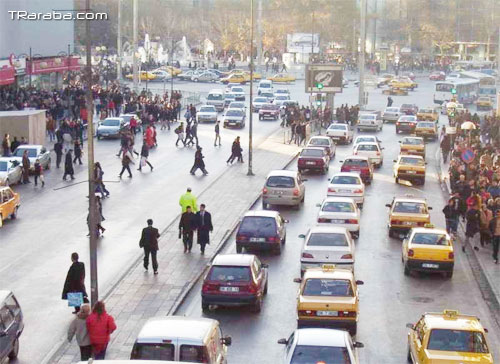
x=325, y=78
x=302, y=42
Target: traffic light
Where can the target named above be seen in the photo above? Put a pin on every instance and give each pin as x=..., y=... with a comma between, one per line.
x=319, y=85
x=318, y=99
x=453, y=91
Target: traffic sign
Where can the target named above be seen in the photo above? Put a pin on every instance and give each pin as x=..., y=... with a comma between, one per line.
x=326, y=78
x=468, y=156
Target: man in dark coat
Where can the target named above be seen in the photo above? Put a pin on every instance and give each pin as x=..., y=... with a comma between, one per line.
x=472, y=226
x=198, y=162
x=58, y=149
x=187, y=226
x=149, y=241
x=75, y=280
x=26, y=167
x=204, y=226
x=68, y=166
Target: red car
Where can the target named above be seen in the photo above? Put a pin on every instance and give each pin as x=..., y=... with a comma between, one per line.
x=269, y=111
x=235, y=280
x=313, y=159
x=358, y=164
x=409, y=109
x=437, y=76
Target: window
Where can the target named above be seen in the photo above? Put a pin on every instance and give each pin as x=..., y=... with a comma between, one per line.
x=153, y=352
x=412, y=161
x=412, y=141
x=368, y=147
x=6, y=317
x=260, y=99
x=3, y=166
x=328, y=287
x=290, y=342
x=429, y=239
x=337, y=207
x=193, y=353
x=327, y=239
x=356, y=162
x=345, y=180
x=444, y=87
x=31, y=152
x=234, y=112
x=306, y=354
x=229, y=274
x=258, y=225
x=112, y=122
x=319, y=141
x=312, y=153
x=410, y=207
x=282, y=181
x=13, y=306
x=207, y=109
x=457, y=340
x=338, y=127
x=426, y=125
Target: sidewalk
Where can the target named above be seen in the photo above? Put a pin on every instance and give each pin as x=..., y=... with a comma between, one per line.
x=485, y=270
x=140, y=296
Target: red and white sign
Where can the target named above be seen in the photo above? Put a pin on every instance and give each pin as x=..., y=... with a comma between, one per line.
x=7, y=74
x=54, y=64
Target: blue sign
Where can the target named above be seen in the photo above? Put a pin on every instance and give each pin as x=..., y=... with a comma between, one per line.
x=468, y=156
x=75, y=299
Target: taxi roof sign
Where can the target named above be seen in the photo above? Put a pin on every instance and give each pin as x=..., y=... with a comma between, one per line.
x=452, y=314
x=429, y=226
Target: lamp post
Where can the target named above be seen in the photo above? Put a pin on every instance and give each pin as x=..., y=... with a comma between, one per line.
x=172, y=69
x=250, y=141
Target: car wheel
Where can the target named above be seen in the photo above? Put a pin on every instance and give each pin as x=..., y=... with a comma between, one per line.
x=15, y=349
x=205, y=307
x=303, y=198
x=355, y=234
x=297, y=206
x=391, y=233
x=239, y=248
x=265, y=288
x=14, y=214
x=324, y=171
x=264, y=205
x=361, y=206
x=448, y=274
x=408, y=355
x=354, y=330
x=98, y=137
x=257, y=307
x=396, y=180
x=422, y=182
x=195, y=80
x=407, y=270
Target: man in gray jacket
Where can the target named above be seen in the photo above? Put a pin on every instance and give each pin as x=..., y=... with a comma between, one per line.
x=78, y=328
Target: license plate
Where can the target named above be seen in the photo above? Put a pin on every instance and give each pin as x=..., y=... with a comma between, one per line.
x=411, y=172
x=257, y=240
x=344, y=191
x=335, y=137
x=327, y=313
x=408, y=223
x=229, y=289
x=428, y=265
x=337, y=221
x=310, y=163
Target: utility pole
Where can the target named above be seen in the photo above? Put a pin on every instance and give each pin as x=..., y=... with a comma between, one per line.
x=94, y=292
x=172, y=65
x=31, y=67
x=312, y=36
x=134, y=26
x=498, y=55
x=119, y=44
x=250, y=131
x=259, y=35
x=361, y=60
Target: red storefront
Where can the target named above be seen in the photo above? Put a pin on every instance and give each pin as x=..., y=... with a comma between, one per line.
x=48, y=72
x=7, y=75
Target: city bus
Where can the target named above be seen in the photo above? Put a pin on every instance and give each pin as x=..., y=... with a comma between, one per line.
x=487, y=83
x=466, y=91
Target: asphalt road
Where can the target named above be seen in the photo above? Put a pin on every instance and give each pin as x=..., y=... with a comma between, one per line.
x=388, y=299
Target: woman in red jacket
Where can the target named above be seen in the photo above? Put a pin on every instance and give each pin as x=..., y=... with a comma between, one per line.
x=100, y=325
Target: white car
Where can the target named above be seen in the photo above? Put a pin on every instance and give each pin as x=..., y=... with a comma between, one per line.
x=110, y=127
x=370, y=122
x=347, y=184
x=318, y=345
x=341, y=212
x=35, y=151
x=207, y=114
x=391, y=114
x=258, y=102
x=267, y=94
x=280, y=99
x=238, y=92
x=265, y=86
x=282, y=91
x=206, y=76
x=237, y=105
x=342, y=133
x=161, y=75
x=371, y=150
x=327, y=245
x=323, y=142
x=366, y=139
x=11, y=171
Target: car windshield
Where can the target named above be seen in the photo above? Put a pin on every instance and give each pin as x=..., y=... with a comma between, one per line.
x=367, y=117
x=111, y=122
x=410, y=207
x=426, y=111
x=267, y=94
x=280, y=181
x=319, y=141
x=345, y=180
x=265, y=85
x=412, y=161
x=229, y=274
x=413, y=141
x=368, y=147
x=281, y=91
x=426, y=125
x=230, y=96
x=145, y=351
x=260, y=99
x=207, y=109
x=270, y=107
x=429, y=239
x=282, y=97
x=392, y=109
x=236, y=89
x=3, y=166
x=31, y=152
x=457, y=340
x=338, y=127
x=328, y=287
x=308, y=354
x=327, y=239
x=365, y=139
x=216, y=97
x=311, y=153
x=356, y=162
x=258, y=224
x=234, y=112
x=335, y=206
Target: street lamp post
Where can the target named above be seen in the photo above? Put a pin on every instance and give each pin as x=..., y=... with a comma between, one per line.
x=250, y=141
x=172, y=69
x=31, y=66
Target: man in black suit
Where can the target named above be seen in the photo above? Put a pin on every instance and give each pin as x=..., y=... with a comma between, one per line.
x=187, y=226
x=75, y=280
x=204, y=226
x=149, y=241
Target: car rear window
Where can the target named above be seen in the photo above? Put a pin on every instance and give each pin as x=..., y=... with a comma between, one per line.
x=407, y=106
x=307, y=354
x=345, y=180
x=413, y=141
x=457, y=340
x=429, y=239
x=356, y=162
x=327, y=239
x=365, y=139
x=337, y=207
x=368, y=147
x=258, y=225
x=319, y=141
x=338, y=127
x=426, y=125
x=311, y=153
x=409, y=207
x=328, y=287
x=3, y=166
x=153, y=351
x=412, y=161
x=193, y=354
x=280, y=182
x=229, y=274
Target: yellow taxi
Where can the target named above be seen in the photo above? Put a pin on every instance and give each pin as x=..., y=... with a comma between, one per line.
x=173, y=70
x=409, y=168
x=426, y=129
x=403, y=83
x=256, y=75
x=448, y=337
x=328, y=297
x=9, y=203
x=428, y=249
x=484, y=103
x=412, y=146
x=428, y=113
x=143, y=76
x=282, y=77
x=406, y=212
x=235, y=78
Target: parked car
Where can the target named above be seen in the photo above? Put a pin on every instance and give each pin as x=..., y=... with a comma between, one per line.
x=11, y=171
x=235, y=280
x=340, y=133
x=409, y=109
x=283, y=187
x=313, y=159
x=323, y=142
x=110, y=128
x=234, y=118
x=370, y=122
x=11, y=325
x=263, y=230
x=269, y=111
x=269, y=95
x=347, y=184
x=207, y=114
x=371, y=150
x=279, y=99
x=186, y=76
x=160, y=75
x=391, y=114
x=35, y=151
x=358, y=164
x=127, y=117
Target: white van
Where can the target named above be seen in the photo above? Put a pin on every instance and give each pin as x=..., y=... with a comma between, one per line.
x=265, y=86
x=216, y=98
x=183, y=339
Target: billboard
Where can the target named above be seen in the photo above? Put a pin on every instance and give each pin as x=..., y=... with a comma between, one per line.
x=330, y=76
x=302, y=42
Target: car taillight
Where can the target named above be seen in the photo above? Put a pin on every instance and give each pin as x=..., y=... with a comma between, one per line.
x=347, y=313
x=411, y=253
x=320, y=162
x=396, y=222
x=264, y=191
x=252, y=288
x=451, y=255
x=296, y=192
x=412, y=124
x=331, y=189
x=321, y=219
x=404, y=149
x=346, y=256
x=272, y=239
x=397, y=123
x=241, y=237
x=307, y=255
x=307, y=312
x=358, y=191
x=378, y=153
x=209, y=287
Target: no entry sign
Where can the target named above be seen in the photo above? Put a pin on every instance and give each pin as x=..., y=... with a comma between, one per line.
x=468, y=156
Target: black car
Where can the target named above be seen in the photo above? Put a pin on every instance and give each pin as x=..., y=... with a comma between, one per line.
x=263, y=230
x=406, y=124
x=409, y=109
x=11, y=325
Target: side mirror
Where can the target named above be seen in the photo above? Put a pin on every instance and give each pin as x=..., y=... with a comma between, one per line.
x=283, y=341
x=395, y=161
x=382, y=148
x=263, y=265
x=302, y=236
x=286, y=221
x=429, y=208
x=358, y=345
x=387, y=205
x=304, y=179
x=43, y=150
x=399, y=141
x=297, y=280
x=341, y=161
x=360, y=283
x=227, y=340
x=410, y=326
x=3, y=333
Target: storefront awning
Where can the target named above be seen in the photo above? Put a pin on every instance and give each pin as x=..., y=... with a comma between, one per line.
x=7, y=75
x=54, y=64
